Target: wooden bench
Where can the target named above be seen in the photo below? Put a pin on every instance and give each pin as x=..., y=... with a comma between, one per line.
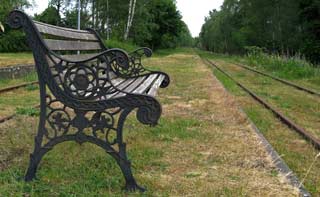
x=87, y=90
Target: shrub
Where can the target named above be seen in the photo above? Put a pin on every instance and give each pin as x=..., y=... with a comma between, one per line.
x=13, y=41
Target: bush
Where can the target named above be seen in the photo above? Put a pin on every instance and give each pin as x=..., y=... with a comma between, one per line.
x=13, y=41
x=121, y=45
x=287, y=67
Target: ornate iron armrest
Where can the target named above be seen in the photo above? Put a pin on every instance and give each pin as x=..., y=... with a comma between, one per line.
x=137, y=67
x=92, y=75
x=136, y=62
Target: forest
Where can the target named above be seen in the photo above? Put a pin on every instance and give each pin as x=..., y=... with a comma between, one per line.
x=153, y=23
x=284, y=27
x=288, y=28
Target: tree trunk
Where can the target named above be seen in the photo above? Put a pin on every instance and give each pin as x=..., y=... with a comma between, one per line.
x=132, y=7
x=126, y=33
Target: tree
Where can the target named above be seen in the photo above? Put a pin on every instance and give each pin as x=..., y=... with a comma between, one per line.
x=50, y=16
x=1, y=27
x=168, y=24
x=132, y=8
x=12, y=41
x=286, y=27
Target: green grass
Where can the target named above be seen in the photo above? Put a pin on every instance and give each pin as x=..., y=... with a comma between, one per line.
x=293, y=69
x=12, y=82
x=28, y=111
x=18, y=99
x=166, y=52
x=288, y=68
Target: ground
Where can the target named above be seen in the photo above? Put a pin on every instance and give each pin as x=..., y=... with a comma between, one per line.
x=203, y=145
x=302, y=108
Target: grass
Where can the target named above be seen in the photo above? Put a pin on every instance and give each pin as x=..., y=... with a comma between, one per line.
x=297, y=153
x=18, y=101
x=12, y=82
x=285, y=98
x=8, y=59
x=202, y=146
x=293, y=69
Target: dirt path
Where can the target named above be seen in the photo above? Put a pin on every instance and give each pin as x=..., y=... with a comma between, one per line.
x=230, y=158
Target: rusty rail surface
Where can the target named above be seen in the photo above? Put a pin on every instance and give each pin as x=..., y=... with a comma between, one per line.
x=308, y=136
x=6, y=118
x=8, y=89
x=2, y=120
x=279, y=79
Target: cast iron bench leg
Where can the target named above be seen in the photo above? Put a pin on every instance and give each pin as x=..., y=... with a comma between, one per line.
x=120, y=157
x=124, y=163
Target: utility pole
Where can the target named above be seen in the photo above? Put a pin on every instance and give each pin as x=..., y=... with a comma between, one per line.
x=79, y=14
x=79, y=18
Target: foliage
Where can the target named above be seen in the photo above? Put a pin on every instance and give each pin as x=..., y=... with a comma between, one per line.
x=9, y=40
x=49, y=15
x=287, y=27
x=156, y=23
x=13, y=41
x=28, y=111
x=286, y=67
x=127, y=46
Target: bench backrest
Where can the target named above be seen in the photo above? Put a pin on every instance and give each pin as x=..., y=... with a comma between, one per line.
x=68, y=41
x=62, y=76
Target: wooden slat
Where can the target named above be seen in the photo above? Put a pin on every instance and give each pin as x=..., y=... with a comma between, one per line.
x=63, y=45
x=155, y=86
x=146, y=84
x=64, y=32
x=132, y=86
x=122, y=86
x=80, y=57
x=117, y=81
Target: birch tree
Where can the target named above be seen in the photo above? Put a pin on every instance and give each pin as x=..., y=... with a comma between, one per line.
x=132, y=7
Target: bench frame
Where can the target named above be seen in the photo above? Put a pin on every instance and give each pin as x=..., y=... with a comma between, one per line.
x=95, y=121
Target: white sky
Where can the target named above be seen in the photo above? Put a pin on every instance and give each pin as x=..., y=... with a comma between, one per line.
x=192, y=11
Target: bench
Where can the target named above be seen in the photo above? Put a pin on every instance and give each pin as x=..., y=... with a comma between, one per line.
x=87, y=91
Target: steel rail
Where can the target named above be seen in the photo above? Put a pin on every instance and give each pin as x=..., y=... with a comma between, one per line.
x=279, y=79
x=6, y=118
x=8, y=89
x=308, y=136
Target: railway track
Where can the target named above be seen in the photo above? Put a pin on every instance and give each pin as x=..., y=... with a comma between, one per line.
x=280, y=80
x=11, y=88
x=8, y=89
x=9, y=117
x=287, y=121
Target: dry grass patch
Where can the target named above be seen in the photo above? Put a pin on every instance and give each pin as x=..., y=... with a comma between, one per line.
x=9, y=59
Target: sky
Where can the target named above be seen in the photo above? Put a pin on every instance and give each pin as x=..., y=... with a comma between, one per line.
x=193, y=11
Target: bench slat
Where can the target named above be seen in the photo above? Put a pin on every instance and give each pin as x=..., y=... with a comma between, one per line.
x=79, y=57
x=64, y=45
x=122, y=86
x=155, y=86
x=132, y=86
x=146, y=84
x=64, y=32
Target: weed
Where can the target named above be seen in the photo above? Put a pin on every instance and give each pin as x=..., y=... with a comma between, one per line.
x=28, y=111
x=32, y=87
